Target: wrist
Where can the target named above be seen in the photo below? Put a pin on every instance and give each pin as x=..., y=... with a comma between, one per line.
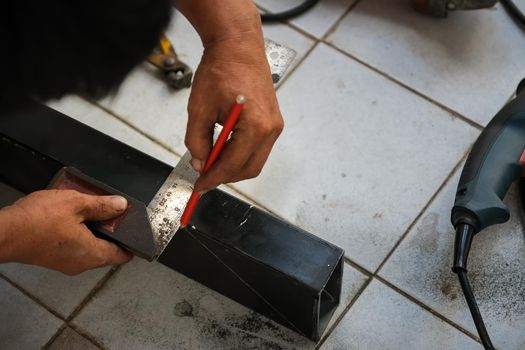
x=233, y=19
x=247, y=28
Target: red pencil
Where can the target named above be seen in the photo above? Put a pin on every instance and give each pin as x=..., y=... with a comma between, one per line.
x=214, y=154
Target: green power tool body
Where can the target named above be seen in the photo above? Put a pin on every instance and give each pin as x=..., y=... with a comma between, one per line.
x=494, y=163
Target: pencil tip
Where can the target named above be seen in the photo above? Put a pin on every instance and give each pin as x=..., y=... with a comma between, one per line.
x=240, y=99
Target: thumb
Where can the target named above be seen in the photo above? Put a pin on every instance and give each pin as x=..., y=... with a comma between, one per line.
x=199, y=135
x=98, y=208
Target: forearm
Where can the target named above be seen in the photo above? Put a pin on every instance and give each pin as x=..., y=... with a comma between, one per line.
x=222, y=20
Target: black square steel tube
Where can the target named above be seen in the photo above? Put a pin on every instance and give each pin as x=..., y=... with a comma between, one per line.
x=246, y=254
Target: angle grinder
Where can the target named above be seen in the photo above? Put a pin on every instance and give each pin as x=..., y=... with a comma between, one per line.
x=496, y=160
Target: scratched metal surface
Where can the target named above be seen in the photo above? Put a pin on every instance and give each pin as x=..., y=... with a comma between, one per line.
x=166, y=208
x=279, y=57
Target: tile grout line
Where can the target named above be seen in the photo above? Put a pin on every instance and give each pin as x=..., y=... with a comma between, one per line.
x=96, y=288
x=287, y=23
x=375, y=275
x=294, y=68
x=377, y=70
x=402, y=238
x=75, y=329
x=93, y=340
x=344, y=313
x=310, y=36
x=66, y=320
x=57, y=334
x=339, y=20
x=357, y=266
x=426, y=307
x=33, y=298
x=442, y=106
x=423, y=210
x=132, y=126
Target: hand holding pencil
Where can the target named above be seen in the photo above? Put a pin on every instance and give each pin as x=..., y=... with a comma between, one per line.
x=226, y=71
x=228, y=126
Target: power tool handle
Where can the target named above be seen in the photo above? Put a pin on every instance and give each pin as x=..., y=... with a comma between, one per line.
x=491, y=167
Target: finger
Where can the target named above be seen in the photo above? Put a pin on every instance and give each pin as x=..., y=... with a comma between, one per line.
x=199, y=133
x=97, y=208
x=230, y=163
x=255, y=164
x=110, y=253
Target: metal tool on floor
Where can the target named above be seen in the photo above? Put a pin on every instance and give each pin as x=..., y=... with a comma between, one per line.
x=440, y=8
x=496, y=160
x=434, y=8
x=177, y=73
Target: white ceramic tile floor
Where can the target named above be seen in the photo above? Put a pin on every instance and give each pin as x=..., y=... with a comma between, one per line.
x=315, y=22
x=24, y=324
x=383, y=319
x=470, y=62
x=59, y=292
x=421, y=267
x=99, y=119
x=139, y=308
x=71, y=340
x=376, y=154
x=352, y=175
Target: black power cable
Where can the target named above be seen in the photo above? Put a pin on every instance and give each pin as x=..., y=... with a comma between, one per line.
x=464, y=236
x=474, y=310
x=288, y=14
x=514, y=12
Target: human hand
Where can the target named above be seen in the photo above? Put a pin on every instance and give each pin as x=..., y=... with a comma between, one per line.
x=229, y=67
x=46, y=228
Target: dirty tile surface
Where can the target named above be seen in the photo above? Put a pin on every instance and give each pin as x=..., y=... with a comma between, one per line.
x=353, y=281
x=24, y=325
x=149, y=305
x=71, y=340
x=383, y=319
x=352, y=175
x=421, y=267
x=59, y=292
x=473, y=71
x=315, y=22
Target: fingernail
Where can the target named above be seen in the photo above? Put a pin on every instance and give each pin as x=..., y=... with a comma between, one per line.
x=119, y=203
x=196, y=164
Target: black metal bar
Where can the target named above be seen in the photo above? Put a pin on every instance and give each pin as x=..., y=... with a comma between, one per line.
x=64, y=141
x=246, y=254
